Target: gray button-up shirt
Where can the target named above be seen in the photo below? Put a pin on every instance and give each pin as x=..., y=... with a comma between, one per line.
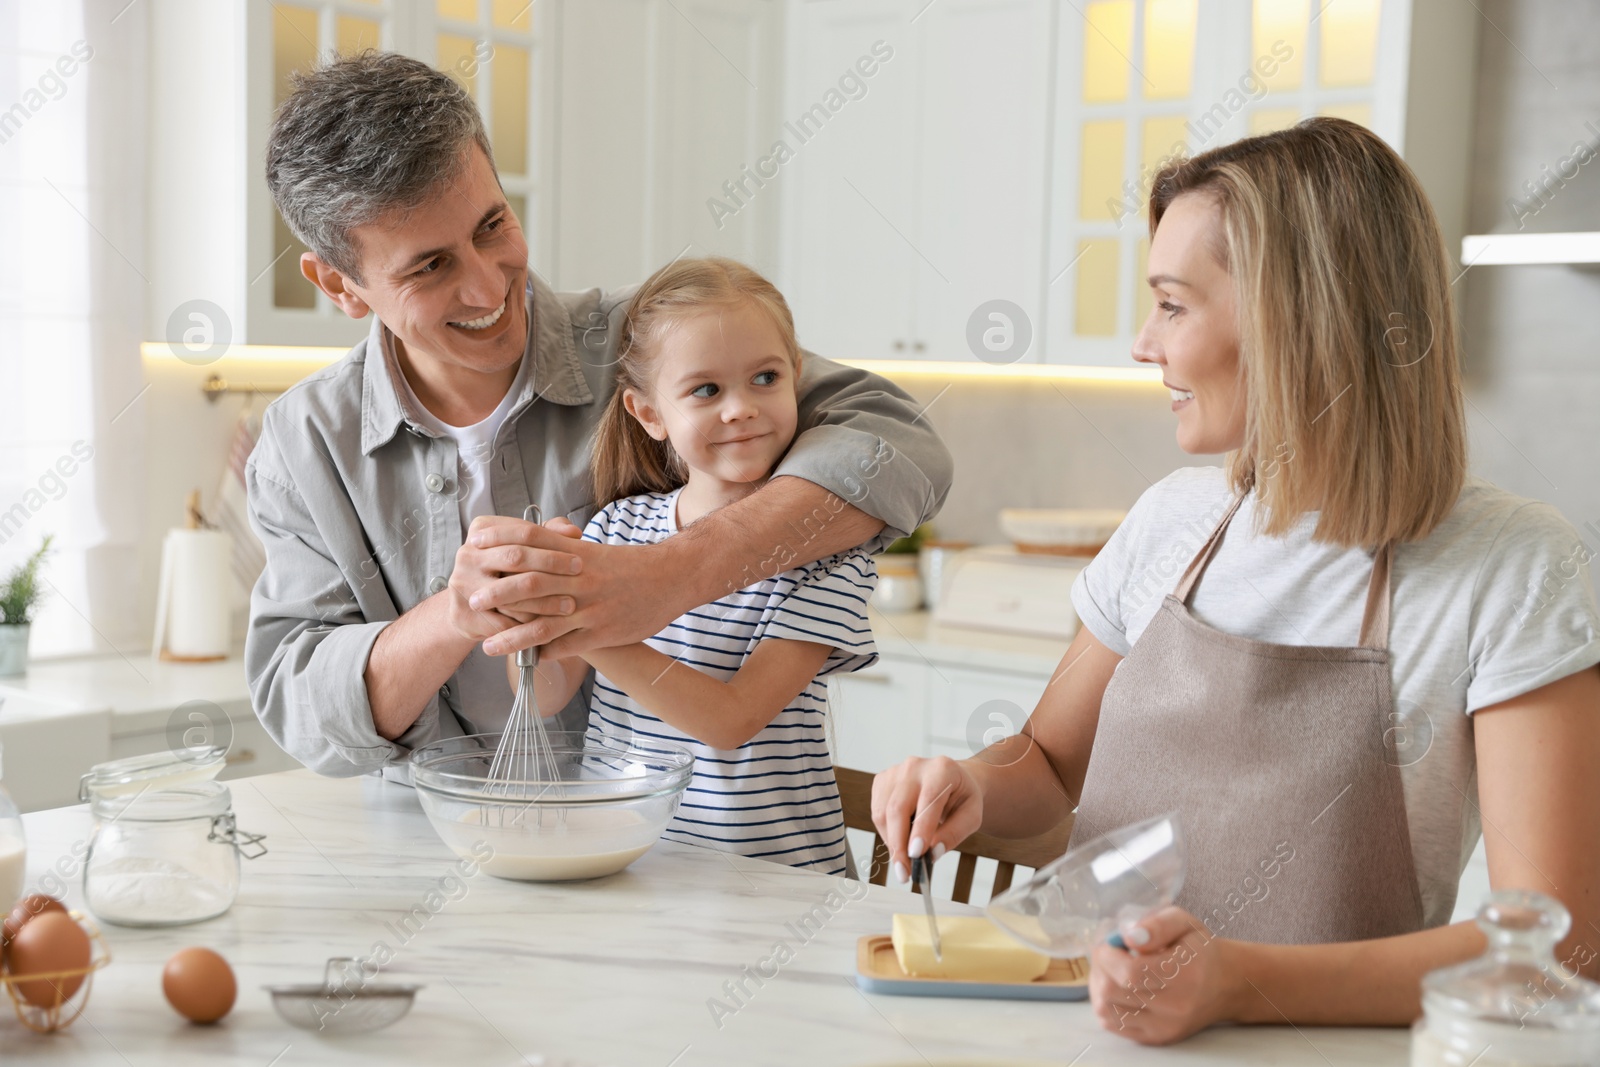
x=355, y=502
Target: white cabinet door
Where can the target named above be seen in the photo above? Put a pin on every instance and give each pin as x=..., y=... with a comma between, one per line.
x=850, y=203
x=879, y=715
x=602, y=222
x=968, y=710
x=925, y=197
x=48, y=747
x=982, y=177
x=716, y=100
x=251, y=750
x=660, y=105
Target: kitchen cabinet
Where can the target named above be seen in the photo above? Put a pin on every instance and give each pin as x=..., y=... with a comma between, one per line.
x=238, y=257
x=1569, y=249
x=919, y=193
x=63, y=716
x=879, y=716
x=664, y=113
x=1205, y=75
x=916, y=702
x=1006, y=151
x=970, y=709
x=47, y=746
x=614, y=123
x=251, y=750
x=937, y=690
x=910, y=706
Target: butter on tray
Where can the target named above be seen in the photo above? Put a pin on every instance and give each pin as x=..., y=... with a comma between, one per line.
x=974, y=950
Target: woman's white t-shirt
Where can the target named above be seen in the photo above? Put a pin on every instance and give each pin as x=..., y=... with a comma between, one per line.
x=1495, y=602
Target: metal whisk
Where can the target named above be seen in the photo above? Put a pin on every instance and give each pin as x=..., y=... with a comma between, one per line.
x=524, y=768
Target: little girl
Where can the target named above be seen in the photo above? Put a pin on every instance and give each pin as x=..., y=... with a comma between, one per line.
x=705, y=406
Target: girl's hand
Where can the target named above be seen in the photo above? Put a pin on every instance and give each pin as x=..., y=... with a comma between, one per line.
x=1173, y=980
x=924, y=805
x=565, y=527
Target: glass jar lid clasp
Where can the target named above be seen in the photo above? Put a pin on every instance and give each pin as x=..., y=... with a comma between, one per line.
x=225, y=832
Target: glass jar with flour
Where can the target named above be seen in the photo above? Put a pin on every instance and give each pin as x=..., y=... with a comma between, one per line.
x=165, y=849
x=1514, y=1006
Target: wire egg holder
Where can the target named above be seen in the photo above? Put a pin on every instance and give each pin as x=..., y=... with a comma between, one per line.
x=47, y=1020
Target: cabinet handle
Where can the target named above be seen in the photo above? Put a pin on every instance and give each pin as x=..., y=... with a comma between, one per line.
x=920, y=346
x=875, y=679
x=899, y=346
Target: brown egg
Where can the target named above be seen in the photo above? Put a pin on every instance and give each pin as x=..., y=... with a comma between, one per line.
x=48, y=943
x=27, y=908
x=199, y=985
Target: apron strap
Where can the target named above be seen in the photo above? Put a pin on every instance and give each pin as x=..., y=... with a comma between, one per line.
x=1197, y=565
x=1375, y=620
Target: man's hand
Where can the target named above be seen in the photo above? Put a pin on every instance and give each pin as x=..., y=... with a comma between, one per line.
x=504, y=566
x=612, y=595
x=626, y=593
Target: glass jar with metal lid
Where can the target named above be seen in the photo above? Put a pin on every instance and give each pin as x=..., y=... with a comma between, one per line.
x=165, y=850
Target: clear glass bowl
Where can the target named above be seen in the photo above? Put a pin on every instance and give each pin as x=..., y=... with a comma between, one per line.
x=1079, y=899
x=608, y=804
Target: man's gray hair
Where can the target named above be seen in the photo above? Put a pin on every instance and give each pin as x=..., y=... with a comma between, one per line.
x=362, y=136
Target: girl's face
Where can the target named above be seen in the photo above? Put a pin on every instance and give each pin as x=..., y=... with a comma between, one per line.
x=1192, y=333
x=723, y=394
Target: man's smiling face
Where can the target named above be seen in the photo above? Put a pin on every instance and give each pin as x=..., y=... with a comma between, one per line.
x=447, y=277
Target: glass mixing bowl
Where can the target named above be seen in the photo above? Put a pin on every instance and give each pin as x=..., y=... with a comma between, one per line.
x=1081, y=898
x=605, y=807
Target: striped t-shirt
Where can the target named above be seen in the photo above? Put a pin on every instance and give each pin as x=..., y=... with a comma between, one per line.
x=774, y=797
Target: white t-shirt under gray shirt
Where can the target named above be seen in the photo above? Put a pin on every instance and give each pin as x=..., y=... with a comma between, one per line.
x=1494, y=603
x=474, y=444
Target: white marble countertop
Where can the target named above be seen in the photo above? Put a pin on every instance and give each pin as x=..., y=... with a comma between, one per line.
x=914, y=634
x=615, y=971
x=140, y=690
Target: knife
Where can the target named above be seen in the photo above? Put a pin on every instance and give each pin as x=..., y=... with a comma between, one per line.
x=922, y=874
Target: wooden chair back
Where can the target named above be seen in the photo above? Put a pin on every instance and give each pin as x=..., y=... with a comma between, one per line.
x=855, y=795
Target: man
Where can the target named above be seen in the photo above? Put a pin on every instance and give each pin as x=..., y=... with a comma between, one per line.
x=475, y=394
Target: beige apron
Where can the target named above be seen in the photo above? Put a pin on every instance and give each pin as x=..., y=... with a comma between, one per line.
x=1279, y=763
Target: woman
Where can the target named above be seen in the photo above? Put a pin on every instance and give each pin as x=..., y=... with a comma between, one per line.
x=1331, y=794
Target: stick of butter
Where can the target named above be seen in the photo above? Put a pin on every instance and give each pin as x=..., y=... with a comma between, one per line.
x=974, y=950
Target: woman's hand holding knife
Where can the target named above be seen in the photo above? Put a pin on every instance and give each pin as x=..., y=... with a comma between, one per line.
x=924, y=805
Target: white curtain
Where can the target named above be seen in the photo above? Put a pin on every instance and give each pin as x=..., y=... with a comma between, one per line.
x=72, y=292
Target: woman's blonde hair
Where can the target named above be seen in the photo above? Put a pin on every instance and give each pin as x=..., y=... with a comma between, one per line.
x=627, y=460
x=1347, y=334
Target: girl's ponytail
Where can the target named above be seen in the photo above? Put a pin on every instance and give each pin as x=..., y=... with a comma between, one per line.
x=628, y=461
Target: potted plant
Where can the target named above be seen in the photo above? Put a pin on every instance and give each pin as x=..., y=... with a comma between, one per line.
x=19, y=594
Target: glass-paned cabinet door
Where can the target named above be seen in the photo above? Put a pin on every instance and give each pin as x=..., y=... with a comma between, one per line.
x=491, y=48
x=1125, y=96
x=1142, y=81
x=1327, y=54
x=302, y=34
